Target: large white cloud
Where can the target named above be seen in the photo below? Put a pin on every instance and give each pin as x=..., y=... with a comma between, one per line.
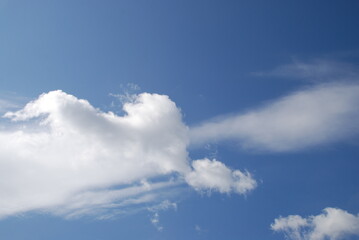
x=61, y=155
x=333, y=224
x=322, y=114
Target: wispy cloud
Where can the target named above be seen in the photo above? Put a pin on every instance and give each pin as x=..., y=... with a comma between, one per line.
x=317, y=70
x=163, y=206
x=314, y=116
x=9, y=102
x=325, y=112
x=71, y=159
x=5, y=105
x=200, y=230
x=107, y=203
x=333, y=223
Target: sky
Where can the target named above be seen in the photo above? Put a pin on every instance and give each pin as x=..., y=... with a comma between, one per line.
x=179, y=120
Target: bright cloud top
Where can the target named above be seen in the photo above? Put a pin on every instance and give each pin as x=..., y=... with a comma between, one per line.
x=62, y=155
x=322, y=114
x=333, y=223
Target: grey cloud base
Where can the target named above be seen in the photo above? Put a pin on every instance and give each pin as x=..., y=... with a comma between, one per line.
x=61, y=155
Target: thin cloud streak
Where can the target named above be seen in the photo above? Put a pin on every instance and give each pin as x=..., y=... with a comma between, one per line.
x=322, y=114
x=317, y=70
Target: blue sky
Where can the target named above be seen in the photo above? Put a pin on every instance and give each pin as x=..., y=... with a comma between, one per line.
x=179, y=120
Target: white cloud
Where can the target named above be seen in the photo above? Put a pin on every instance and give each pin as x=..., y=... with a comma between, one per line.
x=291, y=226
x=61, y=155
x=333, y=224
x=322, y=114
x=211, y=175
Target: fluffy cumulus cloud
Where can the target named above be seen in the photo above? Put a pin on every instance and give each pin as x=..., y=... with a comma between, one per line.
x=59, y=154
x=333, y=224
x=322, y=114
x=208, y=175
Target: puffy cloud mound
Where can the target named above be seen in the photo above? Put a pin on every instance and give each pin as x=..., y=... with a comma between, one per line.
x=61, y=155
x=319, y=115
x=333, y=223
x=214, y=175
